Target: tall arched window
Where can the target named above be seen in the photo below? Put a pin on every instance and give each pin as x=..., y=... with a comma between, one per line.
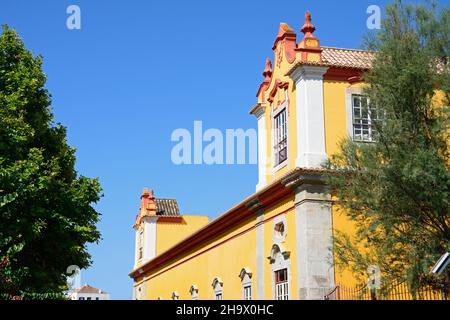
x=217, y=285
x=246, y=280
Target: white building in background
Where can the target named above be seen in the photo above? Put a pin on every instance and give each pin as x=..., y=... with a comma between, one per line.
x=87, y=292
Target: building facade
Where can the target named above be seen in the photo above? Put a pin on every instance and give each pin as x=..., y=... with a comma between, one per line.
x=277, y=243
x=88, y=292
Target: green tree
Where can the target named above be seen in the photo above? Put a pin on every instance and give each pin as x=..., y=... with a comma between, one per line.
x=46, y=212
x=396, y=190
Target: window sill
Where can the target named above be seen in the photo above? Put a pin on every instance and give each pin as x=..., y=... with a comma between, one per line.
x=363, y=141
x=280, y=166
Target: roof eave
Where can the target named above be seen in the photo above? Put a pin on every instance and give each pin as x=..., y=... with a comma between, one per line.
x=277, y=190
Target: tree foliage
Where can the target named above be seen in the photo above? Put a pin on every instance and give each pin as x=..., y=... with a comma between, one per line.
x=396, y=190
x=46, y=212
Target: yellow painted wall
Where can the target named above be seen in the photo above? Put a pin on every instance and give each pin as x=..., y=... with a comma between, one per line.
x=170, y=233
x=289, y=244
x=279, y=73
x=224, y=257
x=201, y=266
x=343, y=224
x=335, y=114
x=334, y=95
x=335, y=130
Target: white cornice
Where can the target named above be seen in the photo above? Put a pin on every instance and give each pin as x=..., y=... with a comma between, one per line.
x=308, y=72
x=258, y=110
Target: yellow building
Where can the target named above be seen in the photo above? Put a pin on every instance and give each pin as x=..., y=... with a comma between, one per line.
x=275, y=244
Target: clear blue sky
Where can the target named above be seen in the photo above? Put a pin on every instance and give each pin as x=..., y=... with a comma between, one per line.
x=136, y=71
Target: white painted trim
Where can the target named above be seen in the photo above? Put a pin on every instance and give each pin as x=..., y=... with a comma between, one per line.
x=245, y=271
x=310, y=116
x=246, y=281
x=89, y=296
x=149, y=238
x=136, y=248
x=280, y=166
x=349, y=92
x=278, y=263
x=262, y=147
x=314, y=242
x=260, y=255
x=275, y=237
x=217, y=285
x=139, y=290
x=273, y=114
x=193, y=290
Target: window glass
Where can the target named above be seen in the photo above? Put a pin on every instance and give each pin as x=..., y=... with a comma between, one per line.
x=280, y=137
x=365, y=117
x=141, y=242
x=248, y=293
x=281, y=285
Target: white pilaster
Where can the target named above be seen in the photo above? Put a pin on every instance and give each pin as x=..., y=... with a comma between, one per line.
x=260, y=255
x=136, y=248
x=310, y=116
x=314, y=242
x=259, y=112
x=149, y=238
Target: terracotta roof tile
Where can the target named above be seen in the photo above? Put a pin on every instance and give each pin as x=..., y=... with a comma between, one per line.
x=340, y=58
x=167, y=207
x=347, y=58
x=88, y=289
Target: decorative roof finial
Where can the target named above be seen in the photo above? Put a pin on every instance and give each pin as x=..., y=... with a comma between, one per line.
x=308, y=28
x=144, y=192
x=268, y=69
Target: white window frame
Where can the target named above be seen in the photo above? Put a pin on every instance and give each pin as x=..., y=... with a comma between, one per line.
x=141, y=245
x=217, y=285
x=275, y=113
x=193, y=290
x=282, y=288
x=280, y=259
x=247, y=286
x=350, y=94
x=247, y=292
x=370, y=121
